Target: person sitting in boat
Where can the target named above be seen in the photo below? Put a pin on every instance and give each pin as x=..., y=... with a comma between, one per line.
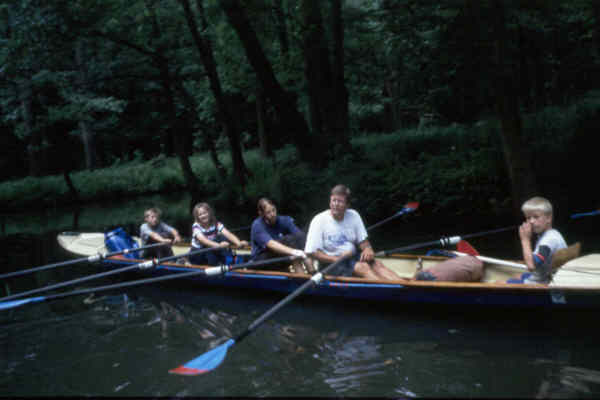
x=538, y=225
x=338, y=232
x=208, y=232
x=153, y=230
x=275, y=235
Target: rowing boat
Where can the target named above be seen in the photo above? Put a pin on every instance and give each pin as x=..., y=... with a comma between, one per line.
x=575, y=285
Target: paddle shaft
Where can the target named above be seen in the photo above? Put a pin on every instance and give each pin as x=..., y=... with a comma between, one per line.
x=306, y=285
x=207, y=272
x=144, y=265
x=92, y=258
x=585, y=214
x=495, y=261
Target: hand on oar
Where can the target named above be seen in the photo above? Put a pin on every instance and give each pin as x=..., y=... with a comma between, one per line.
x=92, y=258
x=142, y=265
x=212, y=271
x=408, y=208
x=585, y=214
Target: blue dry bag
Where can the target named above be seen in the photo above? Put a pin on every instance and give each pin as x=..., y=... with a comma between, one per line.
x=118, y=239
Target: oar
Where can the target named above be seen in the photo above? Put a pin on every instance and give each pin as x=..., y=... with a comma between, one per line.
x=585, y=214
x=241, y=228
x=207, y=272
x=494, y=260
x=142, y=265
x=92, y=258
x=213, y=358
x=408, y=208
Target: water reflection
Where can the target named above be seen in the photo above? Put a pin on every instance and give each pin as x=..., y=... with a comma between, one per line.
x=124, y=343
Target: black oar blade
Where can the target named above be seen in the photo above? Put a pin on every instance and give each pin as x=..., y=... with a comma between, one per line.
x=204, y=363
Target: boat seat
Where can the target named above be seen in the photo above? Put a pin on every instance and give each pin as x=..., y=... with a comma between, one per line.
x=562, y=256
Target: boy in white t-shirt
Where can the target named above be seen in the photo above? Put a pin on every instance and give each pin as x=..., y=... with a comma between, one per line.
x=538, y=225
x=338, y=232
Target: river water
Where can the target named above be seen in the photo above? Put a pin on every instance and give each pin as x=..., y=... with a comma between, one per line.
x=122, y=343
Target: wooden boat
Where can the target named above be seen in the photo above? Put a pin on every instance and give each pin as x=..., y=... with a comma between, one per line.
x=575, y=285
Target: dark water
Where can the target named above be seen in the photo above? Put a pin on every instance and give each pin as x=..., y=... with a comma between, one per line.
x=123, y=343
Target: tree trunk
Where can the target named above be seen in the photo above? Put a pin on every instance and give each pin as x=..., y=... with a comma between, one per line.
x=209, y=140
x=281, y=28
x=86, y=133
x=283, y=102
x=225, y=115
x=328, y=97
x=178, y=131
x=266, y=150
x=516, y=152
x=72, y=190
x=33, y=139
x=341, y=123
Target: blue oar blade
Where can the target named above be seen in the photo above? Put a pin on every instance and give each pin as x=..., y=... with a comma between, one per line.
x=5, y=305
x=206, y=362
x=585, y=214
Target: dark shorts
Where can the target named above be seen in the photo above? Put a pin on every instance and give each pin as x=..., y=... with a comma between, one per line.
x=345, y=268
x=157, y=252
x=294, y=240
x=213, y=257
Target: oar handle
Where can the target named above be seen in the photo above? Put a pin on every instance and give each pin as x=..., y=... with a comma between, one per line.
x=472, y=235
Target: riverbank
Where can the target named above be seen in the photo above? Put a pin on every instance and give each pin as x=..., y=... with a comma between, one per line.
x=455, y=169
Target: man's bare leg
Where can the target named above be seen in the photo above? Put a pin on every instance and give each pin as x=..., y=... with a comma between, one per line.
x=384, y=272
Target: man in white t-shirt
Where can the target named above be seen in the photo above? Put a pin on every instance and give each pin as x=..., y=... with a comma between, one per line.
x=340, y=232
x=538, y=224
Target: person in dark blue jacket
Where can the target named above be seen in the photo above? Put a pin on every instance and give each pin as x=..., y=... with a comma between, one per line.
x=275, y=235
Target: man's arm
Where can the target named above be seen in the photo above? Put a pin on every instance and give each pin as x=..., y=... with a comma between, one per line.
x=281, y=248
x=367, y=254
x=327, y=259
x=176, y=237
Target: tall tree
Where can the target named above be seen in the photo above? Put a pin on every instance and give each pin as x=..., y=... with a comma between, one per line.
x=283, y=102
x=225, y=114
x=516, y=152
x=328, y=97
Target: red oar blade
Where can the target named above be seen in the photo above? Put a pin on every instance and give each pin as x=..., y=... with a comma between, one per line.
x=204, y=363
x=465, y=247
x=412, y=206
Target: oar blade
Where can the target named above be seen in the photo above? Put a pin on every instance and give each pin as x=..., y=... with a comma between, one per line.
x=204, y=363
x=585, y=214
x=465, y=247
x=412, y=206
x=5, y=305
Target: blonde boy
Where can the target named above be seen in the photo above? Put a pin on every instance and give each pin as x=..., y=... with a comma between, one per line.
x=538, y=226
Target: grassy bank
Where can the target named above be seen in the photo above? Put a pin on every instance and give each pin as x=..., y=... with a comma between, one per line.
x=453, y=169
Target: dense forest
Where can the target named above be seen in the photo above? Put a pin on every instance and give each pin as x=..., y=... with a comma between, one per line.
x=489, y=101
